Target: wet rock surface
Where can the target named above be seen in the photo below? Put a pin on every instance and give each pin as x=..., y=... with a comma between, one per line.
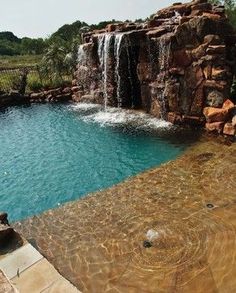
x=9, y=239
x=168, y=229
x=6, y=232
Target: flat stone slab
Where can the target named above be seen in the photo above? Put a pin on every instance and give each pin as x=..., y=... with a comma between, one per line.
x=25, y=270
x=19, y=260
x=42, y=276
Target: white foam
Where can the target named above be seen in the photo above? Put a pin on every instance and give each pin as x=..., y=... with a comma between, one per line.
x=152, y=235
x=117, y=117
x=84, y=106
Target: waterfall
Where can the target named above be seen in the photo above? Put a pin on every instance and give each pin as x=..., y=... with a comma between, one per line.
x=82, y=57
x=117, y=47
x=104, y=42
x=177, y=17
x=127, y=46
x=118, y=41
x=164, y=58
x=174, y=19
x=164, y=54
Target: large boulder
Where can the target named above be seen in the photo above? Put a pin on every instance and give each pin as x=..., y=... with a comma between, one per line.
x=228, y=105
x=215, y=127
x=216, y=114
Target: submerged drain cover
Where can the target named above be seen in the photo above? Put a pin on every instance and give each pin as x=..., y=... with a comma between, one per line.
x=147, y=244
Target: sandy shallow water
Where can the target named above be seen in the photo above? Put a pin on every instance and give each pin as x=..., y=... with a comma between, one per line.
x=170, y=229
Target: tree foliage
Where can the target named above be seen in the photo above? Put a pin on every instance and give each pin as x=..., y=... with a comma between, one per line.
x=33, y=46
x=9, y=36
x=65, y=35
x=52, y=64
x=69, y=32
x=9, y=44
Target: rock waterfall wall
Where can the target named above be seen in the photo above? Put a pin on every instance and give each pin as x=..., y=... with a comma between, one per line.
x=172, y=66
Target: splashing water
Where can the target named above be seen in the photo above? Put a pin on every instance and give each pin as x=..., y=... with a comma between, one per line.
x=119, y=117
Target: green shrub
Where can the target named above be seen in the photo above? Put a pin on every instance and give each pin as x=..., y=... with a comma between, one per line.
x=56, y=83
x=35, y=85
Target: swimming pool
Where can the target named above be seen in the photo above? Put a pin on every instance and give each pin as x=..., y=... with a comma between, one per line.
x=51, y=154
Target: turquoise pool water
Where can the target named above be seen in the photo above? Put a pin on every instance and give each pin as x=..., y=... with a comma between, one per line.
x=51, y=154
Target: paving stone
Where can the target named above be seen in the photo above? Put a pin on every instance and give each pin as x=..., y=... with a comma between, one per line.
x=36, y=278
x=19, y=260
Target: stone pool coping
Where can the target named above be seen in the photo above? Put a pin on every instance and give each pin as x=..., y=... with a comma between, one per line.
x=25, y=270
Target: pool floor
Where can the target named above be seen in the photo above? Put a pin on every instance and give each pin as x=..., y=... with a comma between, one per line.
x=170, y=229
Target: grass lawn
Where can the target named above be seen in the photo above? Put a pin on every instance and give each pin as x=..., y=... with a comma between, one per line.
x=6, y=80
x=9, y=79
x=19, y=61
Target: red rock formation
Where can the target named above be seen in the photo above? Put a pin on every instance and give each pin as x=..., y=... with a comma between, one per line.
x=229, y=129
x=171, y=66
x=215, y=127
x=215, y=114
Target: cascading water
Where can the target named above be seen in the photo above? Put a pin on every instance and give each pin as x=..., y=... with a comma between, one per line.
x=175, y=19
x=82, y=57
x=164, y=54
x=116, y=50
x=127, y=46
x=104, y=43
x=118, y=41
x=164, y=58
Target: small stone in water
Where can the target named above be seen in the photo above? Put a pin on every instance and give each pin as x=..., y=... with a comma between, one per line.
x=210, y=206
x=147, y=244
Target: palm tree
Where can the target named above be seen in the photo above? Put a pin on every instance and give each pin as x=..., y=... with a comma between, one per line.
x=71, y=59
x=53, y=61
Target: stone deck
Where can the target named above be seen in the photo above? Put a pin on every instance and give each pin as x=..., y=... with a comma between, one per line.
x=25, y=270
x=189, y=208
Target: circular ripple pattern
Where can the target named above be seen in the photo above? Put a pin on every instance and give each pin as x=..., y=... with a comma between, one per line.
x=183, y=243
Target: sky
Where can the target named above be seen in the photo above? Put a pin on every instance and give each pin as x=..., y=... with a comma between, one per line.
x=40, y=18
